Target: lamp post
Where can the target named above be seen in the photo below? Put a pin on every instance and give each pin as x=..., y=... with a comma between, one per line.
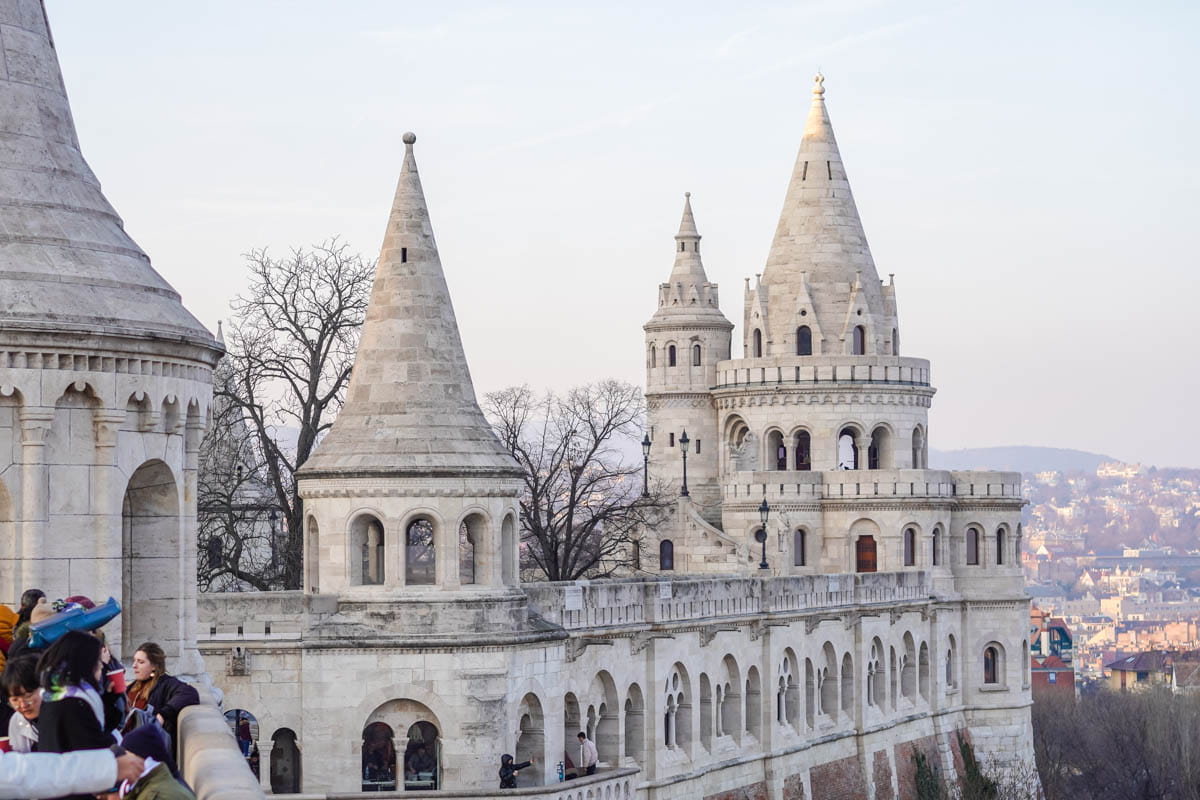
x=684, y=441
x=760, y=535
x=646, y=465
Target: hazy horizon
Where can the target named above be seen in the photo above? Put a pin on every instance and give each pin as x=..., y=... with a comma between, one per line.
x=1026, y=171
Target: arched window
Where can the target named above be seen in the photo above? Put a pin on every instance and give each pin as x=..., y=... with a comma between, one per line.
x=991, y=664
x=378, y=758
x=420, y=567
x=803, y=341
x=802, y=447
x=653, y=356
x=757, y=343
x=671, y=355
x=895, y=342
x=973, y=546
x=799, y=556
x=910, y=547
x=695, y=355
x=1000, y=542
x=860, y=340
x=864, y=554
x=472, y=535
x=936, y=548
x=666, y=555
x=847, y=449
x=367, y=551
x=777, y=454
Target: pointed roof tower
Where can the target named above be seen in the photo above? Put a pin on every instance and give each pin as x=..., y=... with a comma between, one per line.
x=410, y=406
x=66, y=263
x=688, y=291
x=819, y=231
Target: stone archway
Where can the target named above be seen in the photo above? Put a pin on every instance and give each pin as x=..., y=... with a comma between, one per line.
x=151, y=586
x=285, y=762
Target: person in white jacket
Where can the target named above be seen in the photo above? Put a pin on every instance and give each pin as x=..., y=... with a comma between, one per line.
x=38, y=775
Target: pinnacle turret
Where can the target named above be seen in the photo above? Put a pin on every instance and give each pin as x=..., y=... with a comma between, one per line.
x=410, y=406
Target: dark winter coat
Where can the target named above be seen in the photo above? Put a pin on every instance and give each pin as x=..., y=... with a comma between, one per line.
x=508, y=773
x=170, y=696
x=67, y=725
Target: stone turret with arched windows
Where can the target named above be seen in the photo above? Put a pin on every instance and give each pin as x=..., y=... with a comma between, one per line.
x=105, y=378
x=410, y=493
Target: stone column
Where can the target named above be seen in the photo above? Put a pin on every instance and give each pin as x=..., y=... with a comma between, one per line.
x=449, y=571
x=107, y=497
x=34, y=514
x=863, y=443
x=191, y=661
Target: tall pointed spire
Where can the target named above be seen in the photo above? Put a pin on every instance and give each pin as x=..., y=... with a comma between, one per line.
x=66, y=263
x=410, y=406
x=819, y=229
x=688, y=268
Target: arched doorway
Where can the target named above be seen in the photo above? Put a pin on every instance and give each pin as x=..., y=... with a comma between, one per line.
x=151, y=540
x=245, y=730
x=285, y=762
x=378, y=758
x=531, y=740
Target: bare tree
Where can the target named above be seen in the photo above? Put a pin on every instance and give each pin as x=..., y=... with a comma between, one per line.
x=583, y=510
x=291, y=346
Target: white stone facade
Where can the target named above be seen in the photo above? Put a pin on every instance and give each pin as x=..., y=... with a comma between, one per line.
x=890, y=617
x=105, y=378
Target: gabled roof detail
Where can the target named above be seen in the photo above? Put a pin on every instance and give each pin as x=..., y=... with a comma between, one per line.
x=410, y=406
x=66, y=262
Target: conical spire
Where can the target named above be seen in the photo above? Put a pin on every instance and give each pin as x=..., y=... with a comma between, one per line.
x=819, y=229
x=410, y=406
x=66, y=263
x=688, y=268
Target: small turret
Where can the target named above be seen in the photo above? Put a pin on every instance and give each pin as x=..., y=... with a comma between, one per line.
x=685, y=339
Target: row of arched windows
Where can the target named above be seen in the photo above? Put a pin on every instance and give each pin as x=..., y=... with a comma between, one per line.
x=804, y=341
x=673, y=357
x=368, y=551
x=853, y=448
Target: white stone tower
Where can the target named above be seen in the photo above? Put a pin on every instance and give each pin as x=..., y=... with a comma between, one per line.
x=410, y=492
x=685, y=339
x=105, y=378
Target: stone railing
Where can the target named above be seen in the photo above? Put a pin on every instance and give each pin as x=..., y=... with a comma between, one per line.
x=792, y=486
x=209, y=756
x=802, y=371
x=614, y=603
x=617, y=784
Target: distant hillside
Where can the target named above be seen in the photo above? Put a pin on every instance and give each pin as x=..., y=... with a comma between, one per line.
x=1017, y=459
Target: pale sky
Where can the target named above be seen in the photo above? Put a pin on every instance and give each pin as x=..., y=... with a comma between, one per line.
x=1028, y=171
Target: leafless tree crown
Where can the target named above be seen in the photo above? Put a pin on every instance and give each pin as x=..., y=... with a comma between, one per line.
x=583, y=511
x=291, y=345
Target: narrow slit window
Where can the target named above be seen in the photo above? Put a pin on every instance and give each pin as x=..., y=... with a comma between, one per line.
x=829, y=167
x=697, y=447
x=403, y=255
x=804, y=175
x=672, y=439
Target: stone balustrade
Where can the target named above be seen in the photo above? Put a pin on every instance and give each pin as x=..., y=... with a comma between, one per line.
x=615, y=603
x=209, y=756
x=795, y=486
x=822, y=371
x=617, y=784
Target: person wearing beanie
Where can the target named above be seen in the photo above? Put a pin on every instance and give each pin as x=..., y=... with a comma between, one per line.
x=159, y=779
x=39, y=613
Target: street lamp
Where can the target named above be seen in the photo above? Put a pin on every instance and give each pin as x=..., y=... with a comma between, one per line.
x=760, y=535
x=683, y=448
x=646, y=465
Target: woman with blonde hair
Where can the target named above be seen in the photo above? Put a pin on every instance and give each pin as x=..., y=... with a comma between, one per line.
x=155, y=691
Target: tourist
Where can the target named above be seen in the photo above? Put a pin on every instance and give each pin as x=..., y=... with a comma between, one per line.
x=72, y=712
x=159, y=779
x=20, y=684
x=508, y=771
x=85, y=773
x=421, y=761
x=113, y=685
x=153, y=689
x=29, y=599
x=587, y=754
x=41, y=612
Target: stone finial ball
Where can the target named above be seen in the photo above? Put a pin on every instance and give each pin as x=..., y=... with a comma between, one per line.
x=410, y=138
